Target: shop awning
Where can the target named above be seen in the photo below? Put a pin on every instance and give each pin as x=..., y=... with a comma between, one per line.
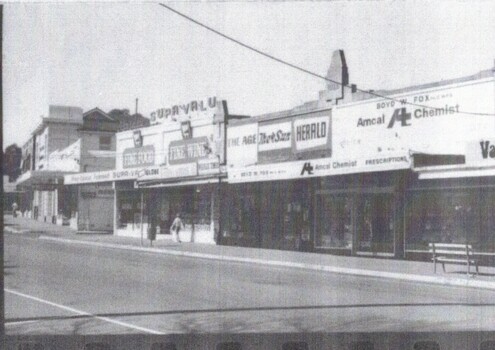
x=448, y=166
x=41, y=178
x=197, y=180
x=457, y=172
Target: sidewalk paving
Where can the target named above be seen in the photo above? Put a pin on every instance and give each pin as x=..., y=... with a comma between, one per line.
x=361, y=266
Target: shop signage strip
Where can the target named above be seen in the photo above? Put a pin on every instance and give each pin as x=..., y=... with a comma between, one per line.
x=147, y=173
x=317, y=168
x=138, y=157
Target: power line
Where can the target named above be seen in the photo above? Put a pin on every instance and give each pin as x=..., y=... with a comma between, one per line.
x=305, y=70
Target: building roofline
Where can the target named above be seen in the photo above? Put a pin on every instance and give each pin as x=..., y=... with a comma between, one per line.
x=488, y=73
x=313, y=105
x=47, y=120
x=96, y=109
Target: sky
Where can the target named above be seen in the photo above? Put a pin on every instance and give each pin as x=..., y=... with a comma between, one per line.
x=106, y=54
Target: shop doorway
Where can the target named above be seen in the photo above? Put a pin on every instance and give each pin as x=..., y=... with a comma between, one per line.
x=375, y=224
x=296, y=224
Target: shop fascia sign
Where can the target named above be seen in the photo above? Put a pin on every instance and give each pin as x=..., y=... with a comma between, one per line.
x=138, y=157
x=188, y=150
x=306, y=133
x=101, y=176
x=168, y=172
x=296, y=135
x=481, y=152
x=403, y=111
x=210, y=166
x=318, y=167
x=210, y=107
x=146, y=173
x=274, y=136
x=312, y=133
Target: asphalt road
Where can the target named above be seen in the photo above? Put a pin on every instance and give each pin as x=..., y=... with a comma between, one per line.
x=57, y=288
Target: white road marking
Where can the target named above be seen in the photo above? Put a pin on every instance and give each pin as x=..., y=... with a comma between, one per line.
x=84, y=313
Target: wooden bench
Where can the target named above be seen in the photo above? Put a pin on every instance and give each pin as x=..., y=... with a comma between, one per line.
x=451, y=253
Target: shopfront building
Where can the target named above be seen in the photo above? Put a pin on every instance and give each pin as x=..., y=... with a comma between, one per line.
x=174, y=166
x=187, y=144
x=454, y=203
x=392, y=176
x=51, y=152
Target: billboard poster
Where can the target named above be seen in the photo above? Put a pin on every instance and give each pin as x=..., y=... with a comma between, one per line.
x=139, y=156
x=275, y=142
x=242, y=145
x=188, y=150
x=274, y=136
x=312, y=133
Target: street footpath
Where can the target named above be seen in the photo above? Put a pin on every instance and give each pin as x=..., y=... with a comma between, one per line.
x=413, y=271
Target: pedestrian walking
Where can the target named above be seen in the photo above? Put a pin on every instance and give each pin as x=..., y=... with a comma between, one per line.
x=14, y=209
x=177, y=226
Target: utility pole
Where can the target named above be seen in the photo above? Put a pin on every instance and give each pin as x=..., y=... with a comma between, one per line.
x=137, y=100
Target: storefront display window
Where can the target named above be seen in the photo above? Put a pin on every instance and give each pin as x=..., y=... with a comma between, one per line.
x=129, y=208
x=375, y=223
x=451, y=216
x=193, y=204
x=202, y=212
x=241, y=219
x=333, y=221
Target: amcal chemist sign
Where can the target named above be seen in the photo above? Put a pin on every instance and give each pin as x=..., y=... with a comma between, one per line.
x=319, y=167
x=426, y=120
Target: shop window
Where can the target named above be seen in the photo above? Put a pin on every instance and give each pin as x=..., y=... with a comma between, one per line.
x=202, y=212
x=129, y=209
x=375, y=223
x=333, y=222
x=451, y=216
x=242, y=213
x=194, y=205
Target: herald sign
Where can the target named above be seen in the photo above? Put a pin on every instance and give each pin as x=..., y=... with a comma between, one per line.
x=310, y=133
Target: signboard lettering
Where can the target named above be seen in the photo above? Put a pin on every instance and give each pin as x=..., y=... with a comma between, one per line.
x=136, y=157
x=317, y=167
x=307, y=168
x=193, y=110
x=312, y=133
x=186, y=151
x=487, y=149
x=274, y=136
